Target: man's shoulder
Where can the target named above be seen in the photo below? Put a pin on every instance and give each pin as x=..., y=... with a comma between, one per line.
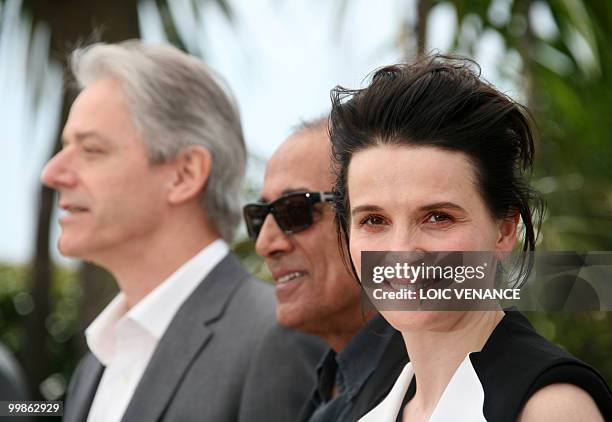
x=232, y=303
x=256, y=292
x=228, y=287
x=231, y=270
x=249, y=294
x=391, y=364
x=252, y=307
x=283, y=367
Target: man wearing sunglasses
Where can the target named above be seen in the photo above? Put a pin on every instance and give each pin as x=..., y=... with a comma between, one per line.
x=293, y=224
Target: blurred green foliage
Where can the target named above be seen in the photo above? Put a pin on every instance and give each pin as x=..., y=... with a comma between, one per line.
x=586, y=335
x=63, y=323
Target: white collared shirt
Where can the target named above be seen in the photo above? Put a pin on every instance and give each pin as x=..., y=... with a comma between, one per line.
x=124, y=340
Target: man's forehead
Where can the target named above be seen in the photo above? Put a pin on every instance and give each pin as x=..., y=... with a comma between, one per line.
x=271, y=196
x=279, y=183
x=298, y=165
x=101, y=101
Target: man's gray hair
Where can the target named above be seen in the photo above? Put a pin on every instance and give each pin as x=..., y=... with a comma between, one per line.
x=177, y=101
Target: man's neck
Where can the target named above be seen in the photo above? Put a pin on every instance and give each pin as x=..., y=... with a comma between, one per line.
x=140, y=267
x=339, y=336
x=435, y=356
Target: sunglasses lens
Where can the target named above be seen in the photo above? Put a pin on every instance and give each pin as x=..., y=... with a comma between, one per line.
x=293, y=213
x=254, y=216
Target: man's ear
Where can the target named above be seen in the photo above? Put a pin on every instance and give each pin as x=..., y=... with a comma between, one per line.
x=507, y=234
x=191, y=170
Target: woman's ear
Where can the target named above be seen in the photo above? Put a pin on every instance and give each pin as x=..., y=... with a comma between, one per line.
x=507, y=233
x=191, y=170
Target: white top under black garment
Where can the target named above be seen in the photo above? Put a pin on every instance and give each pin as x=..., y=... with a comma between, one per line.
x=495, y=383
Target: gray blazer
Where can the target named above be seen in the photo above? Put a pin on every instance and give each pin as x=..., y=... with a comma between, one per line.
x=206, y=364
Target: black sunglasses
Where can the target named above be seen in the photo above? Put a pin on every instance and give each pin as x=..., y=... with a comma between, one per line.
x=292, y=212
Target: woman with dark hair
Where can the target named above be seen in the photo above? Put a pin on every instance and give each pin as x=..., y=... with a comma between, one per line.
x=429, y=157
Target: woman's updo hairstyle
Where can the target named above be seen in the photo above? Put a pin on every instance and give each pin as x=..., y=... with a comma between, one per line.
x=440, y=101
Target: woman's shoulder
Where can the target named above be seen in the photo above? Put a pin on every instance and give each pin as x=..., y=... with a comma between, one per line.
x=560, y=402
x=516, y=347
x=516, y=362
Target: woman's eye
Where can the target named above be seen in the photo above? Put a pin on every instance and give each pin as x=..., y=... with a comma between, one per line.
x=438, y=217
x=372, y=220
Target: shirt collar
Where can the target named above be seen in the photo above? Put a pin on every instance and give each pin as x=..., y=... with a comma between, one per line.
x=157, y=309
x=359, y=358
x=100, y=334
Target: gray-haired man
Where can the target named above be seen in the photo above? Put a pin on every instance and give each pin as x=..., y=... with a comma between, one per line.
x=148, y=179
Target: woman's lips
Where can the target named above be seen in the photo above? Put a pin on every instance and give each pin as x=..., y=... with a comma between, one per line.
x=414, y=285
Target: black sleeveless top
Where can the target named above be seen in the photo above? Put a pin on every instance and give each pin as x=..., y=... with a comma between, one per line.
x=514, y=363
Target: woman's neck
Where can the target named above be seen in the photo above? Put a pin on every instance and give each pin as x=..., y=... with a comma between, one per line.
x=435, y=355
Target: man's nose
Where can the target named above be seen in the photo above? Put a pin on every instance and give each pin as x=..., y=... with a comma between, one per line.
x=272, y=240
x=57, y=172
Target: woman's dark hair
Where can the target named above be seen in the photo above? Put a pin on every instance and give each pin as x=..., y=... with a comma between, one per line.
x=439, y=101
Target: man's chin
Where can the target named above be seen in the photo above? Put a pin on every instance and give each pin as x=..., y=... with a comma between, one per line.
x=296, y=319
x=288, y=318
x=70, y=249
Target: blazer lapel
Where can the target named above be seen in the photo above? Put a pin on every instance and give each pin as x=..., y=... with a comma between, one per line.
x=184, y=340
x=308, y=408
x=81, y=397
x=382, y=380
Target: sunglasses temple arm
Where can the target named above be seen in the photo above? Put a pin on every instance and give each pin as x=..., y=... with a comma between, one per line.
x=326, y=196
